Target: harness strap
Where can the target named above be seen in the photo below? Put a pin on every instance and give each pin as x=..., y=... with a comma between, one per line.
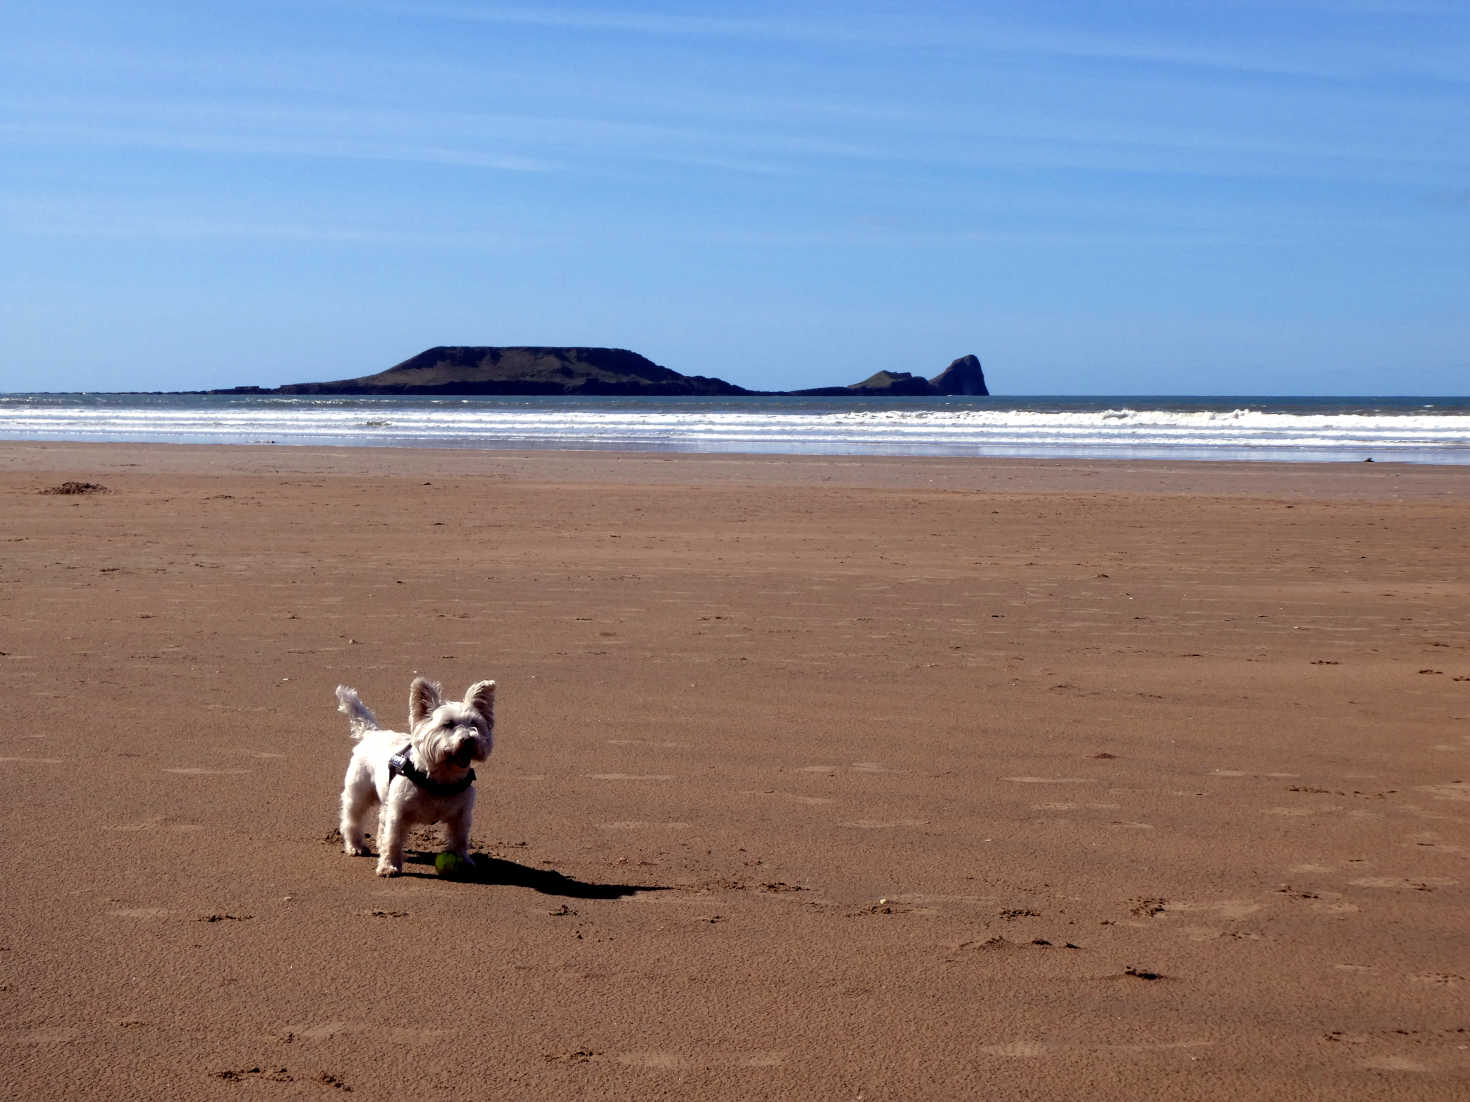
x=401, y=765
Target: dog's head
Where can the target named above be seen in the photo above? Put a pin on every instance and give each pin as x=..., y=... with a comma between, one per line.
x=451, y=734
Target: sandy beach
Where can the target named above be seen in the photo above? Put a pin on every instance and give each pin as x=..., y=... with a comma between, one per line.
x=814, y=777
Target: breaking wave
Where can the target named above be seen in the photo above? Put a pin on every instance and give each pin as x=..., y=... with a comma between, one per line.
x=1417, y=430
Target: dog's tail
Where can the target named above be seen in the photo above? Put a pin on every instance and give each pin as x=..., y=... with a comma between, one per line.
x=360, y=718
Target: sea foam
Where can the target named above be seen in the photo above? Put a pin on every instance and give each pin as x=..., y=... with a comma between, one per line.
x=1415, y=430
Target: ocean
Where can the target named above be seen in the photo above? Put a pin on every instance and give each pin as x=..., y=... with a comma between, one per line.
x=1412, y=430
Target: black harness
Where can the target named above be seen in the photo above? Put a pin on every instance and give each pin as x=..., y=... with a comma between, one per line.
x=401, y=765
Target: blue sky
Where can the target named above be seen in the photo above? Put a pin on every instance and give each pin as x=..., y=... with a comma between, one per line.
x=1182, y=197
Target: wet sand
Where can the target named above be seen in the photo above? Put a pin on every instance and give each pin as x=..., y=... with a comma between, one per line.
x=814, y=777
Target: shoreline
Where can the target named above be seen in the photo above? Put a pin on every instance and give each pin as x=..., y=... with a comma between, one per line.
x=994, y=474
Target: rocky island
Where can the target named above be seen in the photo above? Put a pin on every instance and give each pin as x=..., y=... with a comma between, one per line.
x=962, y=376
x=537, y=370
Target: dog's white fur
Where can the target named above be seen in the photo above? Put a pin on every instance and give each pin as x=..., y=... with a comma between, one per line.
x=444, y=739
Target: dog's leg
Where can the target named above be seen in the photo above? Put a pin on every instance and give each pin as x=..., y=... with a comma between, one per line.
x=358, y=796
x=391, y=829
x=457, y=834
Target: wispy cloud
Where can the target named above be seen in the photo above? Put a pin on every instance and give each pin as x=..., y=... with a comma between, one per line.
x=631, y=22
x=1315, y=56
x=520, y=143
x=211, y=126
x=93, y=219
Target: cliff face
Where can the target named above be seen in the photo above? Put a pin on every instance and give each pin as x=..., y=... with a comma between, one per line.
x=526, y=370
x=963, y=376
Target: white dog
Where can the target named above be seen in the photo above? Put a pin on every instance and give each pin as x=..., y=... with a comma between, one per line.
x=424, y=776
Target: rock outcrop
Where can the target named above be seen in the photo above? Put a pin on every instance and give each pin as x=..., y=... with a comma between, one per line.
x=892, y=382
x=963, y=376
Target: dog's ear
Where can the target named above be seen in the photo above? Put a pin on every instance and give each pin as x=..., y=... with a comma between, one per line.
x=481, y=697
x=423, y=698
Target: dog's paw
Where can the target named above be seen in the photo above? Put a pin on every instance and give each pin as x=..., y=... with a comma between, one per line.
x=356, y=849
x=385, y=869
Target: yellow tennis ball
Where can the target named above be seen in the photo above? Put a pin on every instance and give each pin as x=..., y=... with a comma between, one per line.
x=450, y=864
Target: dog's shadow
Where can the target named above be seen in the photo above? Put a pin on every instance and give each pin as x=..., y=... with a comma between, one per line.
x=498, y=871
